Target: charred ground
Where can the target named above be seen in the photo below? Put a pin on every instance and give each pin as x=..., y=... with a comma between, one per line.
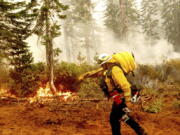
x=88, y=112
x=81, y=117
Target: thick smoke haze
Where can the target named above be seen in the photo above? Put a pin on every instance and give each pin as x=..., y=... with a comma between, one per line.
x=136, y=43
x=145, y=52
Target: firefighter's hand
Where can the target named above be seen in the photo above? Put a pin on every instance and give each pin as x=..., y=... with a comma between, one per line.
x=80, y=78
x=129, y=105
x=83, y=76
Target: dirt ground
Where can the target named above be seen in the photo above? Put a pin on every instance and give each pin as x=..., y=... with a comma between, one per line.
x=78, y=118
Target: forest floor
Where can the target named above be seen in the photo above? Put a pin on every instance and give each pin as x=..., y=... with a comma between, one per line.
x=80, y=118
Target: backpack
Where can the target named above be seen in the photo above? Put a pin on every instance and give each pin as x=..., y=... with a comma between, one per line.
x=125, y=60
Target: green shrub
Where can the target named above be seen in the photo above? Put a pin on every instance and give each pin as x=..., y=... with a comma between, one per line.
x=90, y=89
x=72, y=69
x=39, y=71
x=150, y=76
x=174, y=74
x=66, y=74
x=26, y=81
x=154, y=107
x=150, y=92
x=148, y=70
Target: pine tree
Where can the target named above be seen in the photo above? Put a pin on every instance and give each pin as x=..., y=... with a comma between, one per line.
x=79, y=26
x=151, y=19
x=121, y=16
x=111, y=20
x=15, y=24
x=171, y=21
x=47, y=28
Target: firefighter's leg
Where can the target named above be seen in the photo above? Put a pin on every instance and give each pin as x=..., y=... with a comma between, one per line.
x=115, y=124
x=115, y=116
x=135, y=126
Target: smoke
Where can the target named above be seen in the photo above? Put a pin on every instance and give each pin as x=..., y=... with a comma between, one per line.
x=145, y=52
x=38, y=51
x=105, y=42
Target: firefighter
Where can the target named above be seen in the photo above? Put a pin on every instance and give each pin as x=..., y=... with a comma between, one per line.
x=116, y=86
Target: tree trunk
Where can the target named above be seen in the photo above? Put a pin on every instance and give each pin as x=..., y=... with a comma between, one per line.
x=49, y=54
x=51, y=68
x=123, y=18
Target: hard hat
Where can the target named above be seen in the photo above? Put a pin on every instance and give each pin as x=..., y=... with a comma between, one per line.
x=103, y=58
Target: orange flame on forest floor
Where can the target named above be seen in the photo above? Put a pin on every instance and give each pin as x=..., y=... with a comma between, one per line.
x=45, y=93
x=5, y=93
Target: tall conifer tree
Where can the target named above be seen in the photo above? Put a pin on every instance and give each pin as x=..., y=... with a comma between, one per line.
x=171, y=21
x=121, y=16
x=47, y=28
x=15, y=22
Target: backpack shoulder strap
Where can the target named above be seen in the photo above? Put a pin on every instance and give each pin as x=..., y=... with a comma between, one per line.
x=109, y=75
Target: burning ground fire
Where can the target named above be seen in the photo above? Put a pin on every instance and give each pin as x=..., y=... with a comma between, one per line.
x=5, y=93
x=43, y=95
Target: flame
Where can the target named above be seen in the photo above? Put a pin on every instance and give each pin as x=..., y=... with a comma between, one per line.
x=5, y=93
x=43, y=95
x=46, y=92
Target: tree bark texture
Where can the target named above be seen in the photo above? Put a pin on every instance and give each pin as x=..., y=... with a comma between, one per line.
x=123, y=17
x=49, y=52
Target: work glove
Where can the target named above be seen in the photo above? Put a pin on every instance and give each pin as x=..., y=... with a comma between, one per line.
x=117, y=97
x=83, y=76
x=135, y=97
x=135, y=94
x=80, y=78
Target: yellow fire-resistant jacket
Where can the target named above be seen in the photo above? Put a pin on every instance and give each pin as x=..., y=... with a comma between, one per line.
x=123, y=63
